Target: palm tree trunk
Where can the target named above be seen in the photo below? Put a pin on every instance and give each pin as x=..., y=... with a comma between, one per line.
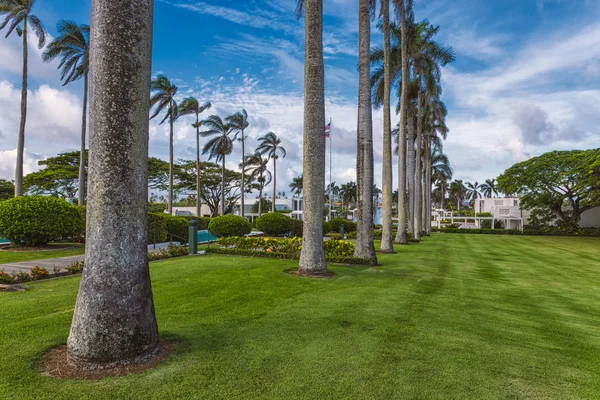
x=364, y=169
x=198, y=200
x=411, y=172
x=387, y=245
x=243, y=174
x=82, y=186
x=170, y=201
x=401, y=236
x=312, y=256
x=443, y=190
x=223, y=186
x=428, y=203
x=260, y=199
x=114, y=321
x=21, y=139
x=274, y=183
x=417, y=202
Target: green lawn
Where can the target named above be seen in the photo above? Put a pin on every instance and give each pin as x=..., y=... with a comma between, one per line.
x=455, y=317
x=64, y=250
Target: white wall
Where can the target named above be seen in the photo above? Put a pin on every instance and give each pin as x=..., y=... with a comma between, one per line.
x=590, y=218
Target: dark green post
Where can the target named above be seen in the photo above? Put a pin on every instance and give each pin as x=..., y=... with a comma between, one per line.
x=342, y=231
x=193, y=237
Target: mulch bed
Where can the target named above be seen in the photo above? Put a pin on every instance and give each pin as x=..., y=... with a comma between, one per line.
x=55, y=365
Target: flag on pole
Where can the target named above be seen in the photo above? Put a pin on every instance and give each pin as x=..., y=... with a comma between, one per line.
x=328, y=130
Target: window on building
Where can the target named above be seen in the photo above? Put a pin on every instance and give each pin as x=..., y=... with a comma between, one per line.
x=515, y=203
x=499, y=202
x=504, y=211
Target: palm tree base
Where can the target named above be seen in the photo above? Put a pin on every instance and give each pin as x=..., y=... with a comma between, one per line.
x=386, y=251
x=325, y=275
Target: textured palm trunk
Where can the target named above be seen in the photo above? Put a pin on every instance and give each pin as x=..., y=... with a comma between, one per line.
x=243, y=173
x=21, y=138
x=114, y=320
x=418, y=188
x=387, y=245
x=198, y=200
x=170, y=201
x=312, y=256
x=260, y=200
x=401, y=236
x=443, y=194
x=82, y=185
x=428, y=188
x=410, y=171
x=223, y=186
x=274, y=184
x=365, y=247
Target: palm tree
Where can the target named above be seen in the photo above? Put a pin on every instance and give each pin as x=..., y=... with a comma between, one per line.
x=441, y=171
x=488, y=189
x=270, y=145
x=387, y=245
x=219, y=146
x=191, y=106
x=17, y=17
x=239, y=120
x=72, y=45
x=312, y=256
x=473, y=190
x=458, y=191
x=364, y=158
x=258, y=169
x=348, y=193
x=164, y=99
x=297, y=185
x=114, y=322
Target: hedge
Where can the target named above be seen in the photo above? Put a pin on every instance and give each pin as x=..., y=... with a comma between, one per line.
x=349, y=226
x=229, y=225
x=275, y=224
x=157, y=228
x=38, y=220
x=284, y=256
x=177, y=228
x=299, y=227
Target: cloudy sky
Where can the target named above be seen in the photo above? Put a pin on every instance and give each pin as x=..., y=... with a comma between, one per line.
x=526, y=79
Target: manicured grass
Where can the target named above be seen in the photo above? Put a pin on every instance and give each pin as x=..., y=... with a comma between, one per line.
x=454, y=317
x=64, y=250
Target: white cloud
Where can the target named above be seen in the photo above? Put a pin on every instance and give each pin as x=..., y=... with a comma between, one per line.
x=8, y=159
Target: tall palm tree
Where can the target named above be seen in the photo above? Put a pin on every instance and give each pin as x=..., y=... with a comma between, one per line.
x=258, y=169
x=441, y=171
x=297, y=185
x=387, y=245
x=365, y=247
x=72, y=46
x=191, y=106
x=220, y=146
x=488, y=189
x=473, y=189
x=239, y=120
x=114, y=322
x=312, y=256
x=270, y=145
x=164, y=99
x=457, y=192
x=348, y=193
x=18, y=17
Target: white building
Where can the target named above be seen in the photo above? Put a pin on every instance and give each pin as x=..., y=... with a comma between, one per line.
x=507, y=210
x=294, y=204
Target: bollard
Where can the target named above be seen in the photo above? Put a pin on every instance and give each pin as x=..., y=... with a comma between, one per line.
x=193, y=237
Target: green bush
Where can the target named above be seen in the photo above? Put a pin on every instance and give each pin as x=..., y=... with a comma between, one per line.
x=339, y=248
x=275, y=224
x=326, y=227
x=6, y=278
x=37, y=220
x=157, y=228
x=177, y=228
x=157, y=207
x=349, y=226
x=290, y=246
x=299, y=228
x=229, y=225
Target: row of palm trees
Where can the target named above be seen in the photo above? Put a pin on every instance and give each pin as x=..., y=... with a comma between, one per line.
x=221, y=134
x=459, y=191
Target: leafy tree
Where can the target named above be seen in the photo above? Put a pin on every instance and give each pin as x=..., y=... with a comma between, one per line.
x=7, y=189
x=263, y=204
x=559, y=181
x=312, y=256
x=270, y=145
x=191, y=106
x=18, y=18
x=163, y=98
x=220, y=146
x=158, y=174
x=72, y=46
x=58, y=178
x=258, y=169
x=239, y=121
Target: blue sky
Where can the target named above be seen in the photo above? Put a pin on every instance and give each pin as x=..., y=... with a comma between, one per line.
x=526, y=79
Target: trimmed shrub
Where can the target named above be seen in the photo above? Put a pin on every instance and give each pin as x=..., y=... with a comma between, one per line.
x=275, y=224
x=171, y=251
x=326, y=227
x=38, y=273
x=38, y=220
x=177, y=228
x=157, y=228
x=229, y=225
x=349, y=226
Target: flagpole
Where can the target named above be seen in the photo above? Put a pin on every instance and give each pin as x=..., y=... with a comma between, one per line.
x=330, y=181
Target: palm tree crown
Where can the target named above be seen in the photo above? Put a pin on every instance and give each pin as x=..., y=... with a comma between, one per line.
x=72, y=46
x=473, y=189
x=18, y=16
x=488, y=189
x=270, y=145
x=221, y=144
x=163, y=98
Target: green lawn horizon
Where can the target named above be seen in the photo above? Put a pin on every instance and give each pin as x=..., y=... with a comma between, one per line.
x=454, y=317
